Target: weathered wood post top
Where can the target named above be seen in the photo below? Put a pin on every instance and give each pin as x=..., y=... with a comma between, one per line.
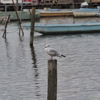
x=52, y=80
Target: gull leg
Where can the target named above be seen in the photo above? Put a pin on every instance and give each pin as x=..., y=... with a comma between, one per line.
x=51, y=58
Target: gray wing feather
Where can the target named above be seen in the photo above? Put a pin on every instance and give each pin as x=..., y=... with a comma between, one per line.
x=54, y=52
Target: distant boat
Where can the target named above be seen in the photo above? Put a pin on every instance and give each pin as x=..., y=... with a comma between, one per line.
x=55, y=12
x=13, y=17
x=55, y=29
x=85, y=12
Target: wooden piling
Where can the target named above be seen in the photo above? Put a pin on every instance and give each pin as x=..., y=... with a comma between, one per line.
x=52, y=80
x=73, y=4
x=32, y=26
x=4, y=34
x=29, y=9
x=20, y=27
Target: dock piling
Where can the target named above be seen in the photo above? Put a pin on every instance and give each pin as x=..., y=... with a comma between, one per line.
x=32, y=26
x=20, y=27
x=4, y=34
x=29, y=9
x=52, y=80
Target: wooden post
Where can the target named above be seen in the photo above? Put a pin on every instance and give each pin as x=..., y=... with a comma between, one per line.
x=17, y=4
x=52, y=80
x=29, y=10
x=73, y=4
x=6, y=16
x=4, y=34
x=32, y=26
x=20, y=27
x=90, y=3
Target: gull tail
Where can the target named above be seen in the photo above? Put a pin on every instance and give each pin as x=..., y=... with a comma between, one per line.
x=63, y=55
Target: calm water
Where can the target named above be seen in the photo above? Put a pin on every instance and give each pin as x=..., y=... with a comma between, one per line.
x=23, y=70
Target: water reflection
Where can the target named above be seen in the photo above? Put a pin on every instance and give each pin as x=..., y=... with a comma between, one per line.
x=7, y=51
x=36, y=73
x=20, y=52
x=21, y=38
x=33, y=56
x=23, y=74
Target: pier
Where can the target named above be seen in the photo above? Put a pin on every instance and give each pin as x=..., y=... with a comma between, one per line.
x=61, y=4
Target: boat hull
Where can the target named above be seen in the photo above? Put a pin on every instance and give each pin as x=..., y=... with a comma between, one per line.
x=65, y=28
x=55, y=13
x=13, y=17
x=85, y=12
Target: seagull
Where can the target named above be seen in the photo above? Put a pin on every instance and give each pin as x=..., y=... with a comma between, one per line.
x=52, y=52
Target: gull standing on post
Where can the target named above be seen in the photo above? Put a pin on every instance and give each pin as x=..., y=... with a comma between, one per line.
x=50, y=51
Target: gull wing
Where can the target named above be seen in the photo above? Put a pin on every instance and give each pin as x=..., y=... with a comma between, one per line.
x=53, y=52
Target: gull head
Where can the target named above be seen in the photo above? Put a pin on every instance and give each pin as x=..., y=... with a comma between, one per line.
x=47, y=46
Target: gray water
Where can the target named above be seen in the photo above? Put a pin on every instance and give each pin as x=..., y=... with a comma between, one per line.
x=23, y=70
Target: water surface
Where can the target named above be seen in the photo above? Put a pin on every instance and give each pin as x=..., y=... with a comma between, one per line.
x=23, y=70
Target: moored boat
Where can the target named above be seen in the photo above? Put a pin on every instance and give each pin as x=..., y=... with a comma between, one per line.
x=13, y=17
x=85, y=12
x=55, y=12
x=55, y=29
